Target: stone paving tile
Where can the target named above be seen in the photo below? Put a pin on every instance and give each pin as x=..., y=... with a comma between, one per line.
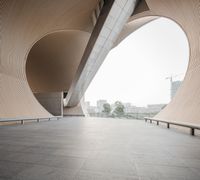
x=73, y=152
x=11, y=147
x=26, y=157
x=166, y=172
x=62, y=162
x=155, y=159
x=178, y=172
x=91, y=175
x=11, y=169
x=39, y=150
x=95, y=148
x=45, y=173
x=110, y=165
x=148, y=171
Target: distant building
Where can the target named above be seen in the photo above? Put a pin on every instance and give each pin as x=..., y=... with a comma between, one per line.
x=130, y=109
x=151, y=108
x=100, y=104
x=92, y=110
x=174, y=87
x=127, y=104
x=127, y=107
x=87, y=104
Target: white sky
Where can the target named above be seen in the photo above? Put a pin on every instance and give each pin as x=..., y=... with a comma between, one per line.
x=136, y=69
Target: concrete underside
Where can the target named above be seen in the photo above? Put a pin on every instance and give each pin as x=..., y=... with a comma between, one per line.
x=91, y=148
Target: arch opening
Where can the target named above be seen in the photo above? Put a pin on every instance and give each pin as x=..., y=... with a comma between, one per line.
x=51, y=65
x=140, y=65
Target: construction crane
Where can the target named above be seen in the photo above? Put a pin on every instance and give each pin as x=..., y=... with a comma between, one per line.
x=172, y=76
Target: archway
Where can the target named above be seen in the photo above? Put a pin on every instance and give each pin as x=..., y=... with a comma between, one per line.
x=51, y=65
x=140, y=65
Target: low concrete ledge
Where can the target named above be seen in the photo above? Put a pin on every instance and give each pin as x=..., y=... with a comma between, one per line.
x=182, y=124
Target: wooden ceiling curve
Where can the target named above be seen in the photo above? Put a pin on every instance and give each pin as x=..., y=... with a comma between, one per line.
x=53, y=60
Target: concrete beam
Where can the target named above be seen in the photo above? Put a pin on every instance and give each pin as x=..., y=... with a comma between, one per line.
x=111, y=20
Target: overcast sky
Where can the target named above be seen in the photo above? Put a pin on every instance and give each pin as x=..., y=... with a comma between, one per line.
x=136, y=69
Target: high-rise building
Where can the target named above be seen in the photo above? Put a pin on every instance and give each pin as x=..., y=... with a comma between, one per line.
x=174, y=87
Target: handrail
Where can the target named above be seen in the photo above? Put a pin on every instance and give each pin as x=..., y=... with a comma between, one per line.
x=182, y=124
x=27, y=119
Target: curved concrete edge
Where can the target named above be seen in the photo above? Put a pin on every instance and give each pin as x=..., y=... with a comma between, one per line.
x=22, y=24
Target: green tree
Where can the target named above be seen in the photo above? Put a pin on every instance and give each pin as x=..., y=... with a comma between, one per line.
x=106, y=108
x=119, y=109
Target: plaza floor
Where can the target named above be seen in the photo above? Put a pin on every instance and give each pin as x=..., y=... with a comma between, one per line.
x=77, y=148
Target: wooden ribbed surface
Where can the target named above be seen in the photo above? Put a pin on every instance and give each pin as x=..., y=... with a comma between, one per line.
x=186, y=104
x=53, y=60
x=22, y=24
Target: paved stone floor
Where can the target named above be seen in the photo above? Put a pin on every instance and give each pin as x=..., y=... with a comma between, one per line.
x=97, y=149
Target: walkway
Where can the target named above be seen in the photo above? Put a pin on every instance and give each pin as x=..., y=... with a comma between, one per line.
x=97, y=149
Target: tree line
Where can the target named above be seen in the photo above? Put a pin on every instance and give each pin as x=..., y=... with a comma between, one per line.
x=116, y=111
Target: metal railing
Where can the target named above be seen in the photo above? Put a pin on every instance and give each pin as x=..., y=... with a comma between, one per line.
x=22, y=120
x=192, y=127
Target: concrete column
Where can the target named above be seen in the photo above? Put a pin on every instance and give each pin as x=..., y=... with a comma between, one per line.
x=52, y=102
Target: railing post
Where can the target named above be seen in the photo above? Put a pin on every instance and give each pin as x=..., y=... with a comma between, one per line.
x=38, y=120
x=22, y=121
x=192, y=131
x=168, y=125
